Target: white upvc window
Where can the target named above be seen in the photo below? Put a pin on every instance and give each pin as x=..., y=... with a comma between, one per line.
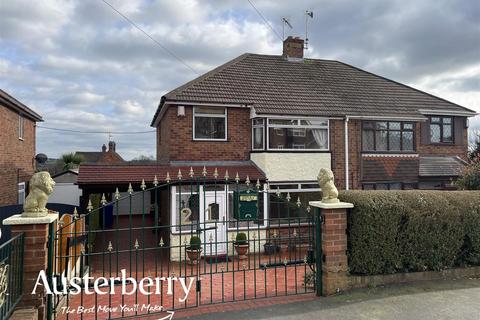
x=21, y=126
x=258, y=134
x=298, y=134
x=281, y=210
x=21, y=192
x=210, y=124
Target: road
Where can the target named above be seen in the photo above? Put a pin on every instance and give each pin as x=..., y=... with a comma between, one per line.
x=453, y=299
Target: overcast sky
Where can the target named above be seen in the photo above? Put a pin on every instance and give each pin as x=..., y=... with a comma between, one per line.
x=82, y=67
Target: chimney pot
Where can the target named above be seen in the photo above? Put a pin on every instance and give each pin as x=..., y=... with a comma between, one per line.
x=111, y=146
x=104, y=148
x=293, y=47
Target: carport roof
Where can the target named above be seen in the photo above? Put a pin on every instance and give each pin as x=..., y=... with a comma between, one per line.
x=116, y=174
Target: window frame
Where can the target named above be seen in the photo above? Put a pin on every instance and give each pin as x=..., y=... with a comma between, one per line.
x=296, y=126
x=21, y=127
x=21, y=191
x=258, y=126
x=388, y=130
x=293, y=188
x=208, y=115
x=441, y=124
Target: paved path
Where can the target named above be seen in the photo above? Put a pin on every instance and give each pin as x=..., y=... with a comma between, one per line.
x=458, y=299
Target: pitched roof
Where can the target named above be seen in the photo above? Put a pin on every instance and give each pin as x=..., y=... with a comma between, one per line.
x=89, y=156
x=441, y=166
x=11, y=102
x=100, y=157
x=274, y=85
x=115, y=174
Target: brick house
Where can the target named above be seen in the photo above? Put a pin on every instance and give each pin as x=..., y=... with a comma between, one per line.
x=279, y=119
x=290, y=116
x=109, y=155
x=17, y=148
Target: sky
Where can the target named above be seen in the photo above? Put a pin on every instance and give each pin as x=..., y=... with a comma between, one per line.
x=83, y=67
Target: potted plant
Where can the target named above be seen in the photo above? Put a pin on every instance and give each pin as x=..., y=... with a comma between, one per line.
x=241, y=245
x=194, y=249
x=272, y=246
x=269, y=248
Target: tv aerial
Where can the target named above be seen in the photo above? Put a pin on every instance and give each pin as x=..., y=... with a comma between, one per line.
x=285, y=21
x=308, y=14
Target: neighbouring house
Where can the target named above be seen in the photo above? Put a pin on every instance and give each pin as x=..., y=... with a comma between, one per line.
x=66, y=190
x=278, y=119
x=17, y=148
x=109, y=155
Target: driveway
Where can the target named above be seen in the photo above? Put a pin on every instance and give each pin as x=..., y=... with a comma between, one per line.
x=459, y=299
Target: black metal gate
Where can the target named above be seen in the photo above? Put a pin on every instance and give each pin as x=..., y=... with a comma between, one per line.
x=226, y=241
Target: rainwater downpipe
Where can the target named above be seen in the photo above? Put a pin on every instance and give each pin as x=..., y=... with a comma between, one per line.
x=346, y=154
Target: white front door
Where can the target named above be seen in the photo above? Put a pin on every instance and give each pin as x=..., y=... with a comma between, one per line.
x=212, y=219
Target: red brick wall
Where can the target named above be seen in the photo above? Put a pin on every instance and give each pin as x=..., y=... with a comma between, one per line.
x=16, y=156
x=337, y=146
x=163, y=138
x=175, y=140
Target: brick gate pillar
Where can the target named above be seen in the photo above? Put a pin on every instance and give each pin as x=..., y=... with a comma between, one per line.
x=35, y=257
x=334, y=245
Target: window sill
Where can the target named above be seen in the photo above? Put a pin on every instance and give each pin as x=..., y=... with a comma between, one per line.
x=388, y=152
x=290, y=151
x=21, y=139
x=210, y=140
x=441, y=144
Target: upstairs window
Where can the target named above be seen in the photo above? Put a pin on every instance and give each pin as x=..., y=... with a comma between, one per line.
x=258, y=140
x=297, y=134
x=21, y=127
x=441, y=130
x=209, y=123
x=388, y=136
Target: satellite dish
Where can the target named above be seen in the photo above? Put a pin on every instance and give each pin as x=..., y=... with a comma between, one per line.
x=41, y=158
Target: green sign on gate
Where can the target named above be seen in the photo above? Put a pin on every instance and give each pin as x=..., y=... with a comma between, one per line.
x=246, y=207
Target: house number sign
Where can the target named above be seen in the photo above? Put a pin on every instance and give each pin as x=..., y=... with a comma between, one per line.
x=3, y=282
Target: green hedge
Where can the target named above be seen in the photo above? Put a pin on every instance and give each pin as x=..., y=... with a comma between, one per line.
x=406, y=231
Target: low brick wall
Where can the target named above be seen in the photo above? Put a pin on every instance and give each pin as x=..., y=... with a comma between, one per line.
x=378, y=280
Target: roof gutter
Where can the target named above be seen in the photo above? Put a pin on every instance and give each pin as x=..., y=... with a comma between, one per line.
x=19, y=107
x=448, y=112
x=388, y=118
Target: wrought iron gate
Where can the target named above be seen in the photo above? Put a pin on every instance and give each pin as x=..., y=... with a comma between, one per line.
x=218, y=240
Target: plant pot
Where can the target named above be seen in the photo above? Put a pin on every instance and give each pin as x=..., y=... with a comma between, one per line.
x=269, y=249
x=193, y=255
x=242, y=250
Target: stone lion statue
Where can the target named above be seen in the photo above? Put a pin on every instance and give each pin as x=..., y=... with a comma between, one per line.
x=41, y=186
x=329, y=191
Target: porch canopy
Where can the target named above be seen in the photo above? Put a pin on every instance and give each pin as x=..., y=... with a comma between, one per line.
x=441, y=167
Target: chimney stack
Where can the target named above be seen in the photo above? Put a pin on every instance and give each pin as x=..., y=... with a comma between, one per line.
x=293, y=48
x=111, y=146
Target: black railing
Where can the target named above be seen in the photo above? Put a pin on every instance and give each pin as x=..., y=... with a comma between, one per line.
x=11, y=275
